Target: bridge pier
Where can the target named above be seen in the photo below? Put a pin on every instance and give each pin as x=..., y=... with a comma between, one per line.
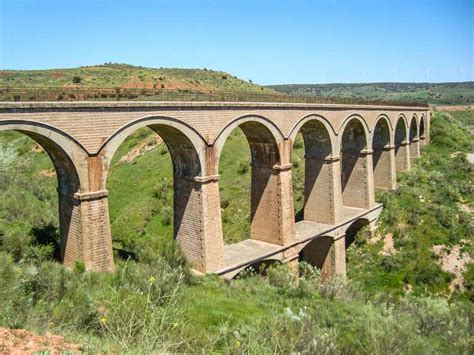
x=197, y=222
x=385, y=169
x=358, y=179
x=327, y=253
x=323, y=197
x=415, y=148
x=402, y=157
x=272, y=218
x=89, y=238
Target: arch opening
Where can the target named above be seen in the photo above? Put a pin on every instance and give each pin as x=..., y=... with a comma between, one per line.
x=317, y=252
x=33, y=188
x=260, y=152
x=382, y=162
x=312, y=151
x=422, y=129
x=260, y=267
x=414, y=147
x=401, y=152
x=153, y=195
x=353, y=231
x=354, y=172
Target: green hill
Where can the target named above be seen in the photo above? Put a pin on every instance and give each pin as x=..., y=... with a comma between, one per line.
x=433, y=93
x=126, y=76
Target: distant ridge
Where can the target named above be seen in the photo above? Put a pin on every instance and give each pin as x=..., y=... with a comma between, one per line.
x=434, y=93
x=126, y=76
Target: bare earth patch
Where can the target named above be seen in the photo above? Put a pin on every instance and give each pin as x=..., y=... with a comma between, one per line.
x=37, y=149
x=21, y=341
x=141, y=149
x=453, y=262
x=47, y=172
x=388, y=247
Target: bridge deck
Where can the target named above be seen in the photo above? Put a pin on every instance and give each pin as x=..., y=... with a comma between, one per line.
x=250, y=251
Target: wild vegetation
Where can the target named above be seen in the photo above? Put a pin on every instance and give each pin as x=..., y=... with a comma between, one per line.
x=396, y=302
x=443, y=93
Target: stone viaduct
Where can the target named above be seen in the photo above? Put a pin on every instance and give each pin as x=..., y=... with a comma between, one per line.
x=349, y=151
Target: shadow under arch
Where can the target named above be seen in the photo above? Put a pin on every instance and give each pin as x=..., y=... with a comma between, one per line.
x=413, y=136
x=264, y=180
x=66, y=155
x=318, y=185
x=354, y=167
x=402, y=162
x=259, y=267
x=353, y=231
x=421, y=130
x=381, y=159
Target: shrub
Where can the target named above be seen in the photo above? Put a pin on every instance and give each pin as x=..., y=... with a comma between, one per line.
x=243, y=168
x=76, y=79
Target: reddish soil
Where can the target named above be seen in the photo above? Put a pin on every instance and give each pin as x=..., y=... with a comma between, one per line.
x=136, y=83
x=21, y=341
x=56, y=74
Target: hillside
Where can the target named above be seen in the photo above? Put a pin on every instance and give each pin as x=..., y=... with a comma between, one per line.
x=442, y=93
x=126, y=76
x=401, y=297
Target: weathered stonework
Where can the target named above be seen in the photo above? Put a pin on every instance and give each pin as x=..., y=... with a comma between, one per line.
x=349, y=150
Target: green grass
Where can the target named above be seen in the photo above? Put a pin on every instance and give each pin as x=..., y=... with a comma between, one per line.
x=443, y=93
x=153, y=303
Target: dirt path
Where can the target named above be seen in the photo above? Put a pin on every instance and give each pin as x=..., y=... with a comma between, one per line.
x=21, y=341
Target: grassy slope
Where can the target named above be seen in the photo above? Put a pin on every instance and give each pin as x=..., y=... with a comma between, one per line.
x=256, y=314
x=445, y=93
x=128, y=76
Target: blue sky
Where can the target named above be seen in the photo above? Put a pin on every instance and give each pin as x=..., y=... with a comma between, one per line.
x=270, y=42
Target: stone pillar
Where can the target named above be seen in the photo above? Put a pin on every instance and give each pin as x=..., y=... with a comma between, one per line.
x=84, y=222
x=272, y=212
x=358, y=188
x=96, y=235
x=402, y=157
x=328, y=254
x=197, y=222
x=370, y=185
x=323, y=197
x=427, y=127
x=384, y=169
x=415, y=148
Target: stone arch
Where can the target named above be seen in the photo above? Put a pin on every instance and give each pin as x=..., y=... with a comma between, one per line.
x=414, y=139
x=322, y=121
x=382, y=159
x=190, y=184
x=355, y=179
x=400, y=140
x=266, y=130
x=186, y=146
x=421, y=129
x=354, y=229
x=264, y=141
x=319, y=144
x=69, y=160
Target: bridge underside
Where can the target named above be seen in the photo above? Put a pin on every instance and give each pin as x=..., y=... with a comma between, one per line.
x=250, y=252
